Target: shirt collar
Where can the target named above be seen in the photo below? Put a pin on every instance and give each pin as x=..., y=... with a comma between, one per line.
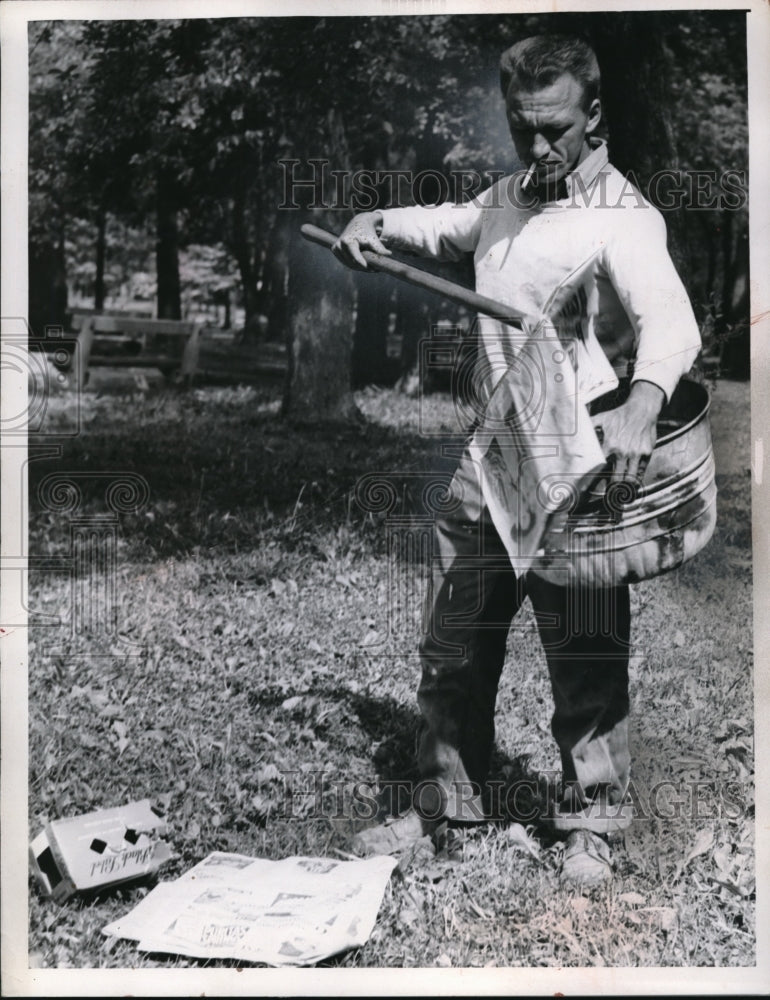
x=588, y=170
x=576, y=182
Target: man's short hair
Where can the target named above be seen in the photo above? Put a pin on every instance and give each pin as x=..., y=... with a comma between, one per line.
x=534, y=63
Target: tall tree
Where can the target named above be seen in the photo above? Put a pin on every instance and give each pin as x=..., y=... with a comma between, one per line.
x=140, y=115
x=320, y=318
x=58, y=74
x=190, y=120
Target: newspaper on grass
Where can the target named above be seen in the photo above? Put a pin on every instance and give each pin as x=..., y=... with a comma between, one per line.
x=536, y=449
x=297, y=911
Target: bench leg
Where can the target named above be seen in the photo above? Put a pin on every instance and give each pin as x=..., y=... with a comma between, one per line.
x=83, y=352
x=190, y=357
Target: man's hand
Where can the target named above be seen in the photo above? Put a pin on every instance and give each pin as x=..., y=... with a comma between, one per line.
x=628, y=433
x=362, y=233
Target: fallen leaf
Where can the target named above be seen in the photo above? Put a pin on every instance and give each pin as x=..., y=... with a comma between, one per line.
x=110, y=711
x=435, y=873
x=689, y=761
x=722, y=858
x=666, y=915
x=735, y=745
x=632, y=898
x=518, y=837
x=704, y=841
x=268, y=773
x=743, y=773
x=730, y=885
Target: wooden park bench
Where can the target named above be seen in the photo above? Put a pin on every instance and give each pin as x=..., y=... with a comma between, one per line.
x=173, y=346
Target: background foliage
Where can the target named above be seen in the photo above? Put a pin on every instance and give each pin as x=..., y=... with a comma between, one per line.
x=158, y=135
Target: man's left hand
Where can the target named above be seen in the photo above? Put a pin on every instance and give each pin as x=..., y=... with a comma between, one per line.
x=628, y=433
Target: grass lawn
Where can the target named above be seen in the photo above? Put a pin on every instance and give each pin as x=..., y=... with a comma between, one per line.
x=261, y=670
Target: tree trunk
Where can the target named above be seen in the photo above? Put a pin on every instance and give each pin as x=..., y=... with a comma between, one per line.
x=635, y=102
x=711, y=270
x=728, y=271
x=370, y=338
x=167, y=252
x=413, y=324
x=275, y=276
x=736, y=354
x=319, y=326
x=47, y=287
x=242, y=251
x=101, y=252
x=373, y=295
x=415, y=309
x=319, y=336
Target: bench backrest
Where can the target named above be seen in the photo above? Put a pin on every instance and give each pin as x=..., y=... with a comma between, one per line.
x=126, y=324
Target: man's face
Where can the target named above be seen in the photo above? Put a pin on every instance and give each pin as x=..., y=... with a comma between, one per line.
x=550, y=126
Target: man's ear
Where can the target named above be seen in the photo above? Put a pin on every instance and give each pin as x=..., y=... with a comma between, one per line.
x=594, y=115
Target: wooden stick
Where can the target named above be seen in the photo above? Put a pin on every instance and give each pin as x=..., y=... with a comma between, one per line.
x=423, y=279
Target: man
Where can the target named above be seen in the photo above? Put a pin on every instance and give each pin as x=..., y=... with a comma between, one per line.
x=569, y=221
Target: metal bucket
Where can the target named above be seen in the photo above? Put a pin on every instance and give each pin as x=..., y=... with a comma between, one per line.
x=622, y=536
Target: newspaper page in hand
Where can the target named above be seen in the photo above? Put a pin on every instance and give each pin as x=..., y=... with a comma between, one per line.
x=536, y=449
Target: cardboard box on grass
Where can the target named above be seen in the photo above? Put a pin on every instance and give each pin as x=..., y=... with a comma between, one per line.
x=99, y=849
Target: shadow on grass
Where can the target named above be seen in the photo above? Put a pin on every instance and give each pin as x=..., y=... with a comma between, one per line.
x=386, y=732
x=222, y=469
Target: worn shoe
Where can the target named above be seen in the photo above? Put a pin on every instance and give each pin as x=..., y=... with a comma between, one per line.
x=587, y=860
x=600, y=817
x=394, y=835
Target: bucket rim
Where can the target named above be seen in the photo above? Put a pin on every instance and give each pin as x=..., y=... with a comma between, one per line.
x=702, y=413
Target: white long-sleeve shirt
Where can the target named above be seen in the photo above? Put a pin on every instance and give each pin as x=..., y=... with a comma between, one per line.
x=603, y=246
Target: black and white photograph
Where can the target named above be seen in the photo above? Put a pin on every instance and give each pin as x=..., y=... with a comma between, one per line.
x=384, y=526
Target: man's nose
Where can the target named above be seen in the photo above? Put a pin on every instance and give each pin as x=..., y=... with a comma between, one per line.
x=540, y=147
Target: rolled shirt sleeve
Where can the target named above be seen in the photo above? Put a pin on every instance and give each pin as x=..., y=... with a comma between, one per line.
x=651, y=292
x=444, y=231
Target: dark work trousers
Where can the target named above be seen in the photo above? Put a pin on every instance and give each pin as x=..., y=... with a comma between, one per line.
x=473, y=596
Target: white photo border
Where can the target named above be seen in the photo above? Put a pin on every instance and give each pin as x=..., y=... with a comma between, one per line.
x=18, y=979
